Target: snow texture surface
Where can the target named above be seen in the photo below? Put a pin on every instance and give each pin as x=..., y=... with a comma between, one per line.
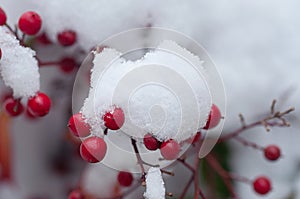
x=161, y=93
x=18, y=67
x=155, y=188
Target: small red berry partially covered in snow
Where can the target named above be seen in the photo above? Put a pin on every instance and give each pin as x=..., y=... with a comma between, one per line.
x=150, y=142
x=114, y=119
x=262, y=185
x=39, y=105
x=170, y=149
x=76, y=194
x=213, y=118
x=3, y=17
x=272, y=152
x=13, y=106
x=78, y=126
x=93, y=149
x=30, y=23
x=0, y=53
x=67, y=38
x=125, y=178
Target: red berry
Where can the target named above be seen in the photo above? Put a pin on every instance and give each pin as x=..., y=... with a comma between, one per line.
x=93, y=149
x=13, y=106
x=170, y=149
x=43, y=39
x=0, y=53
x=67, y=37
x=76, y=194
x=29, y=115
x=194, y=139
x=30, y=23
x=262, y=185
x=272, y=152
x=125, y=178
x=150, y=142
x=3, y=17
x=78, y=126
x=39, y=105
x=67, y=64
x=114, y=119
x=213, y=118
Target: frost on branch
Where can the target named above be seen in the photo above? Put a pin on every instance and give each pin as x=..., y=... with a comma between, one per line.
x=164, y=93
x=155, y=188
x=18, y=67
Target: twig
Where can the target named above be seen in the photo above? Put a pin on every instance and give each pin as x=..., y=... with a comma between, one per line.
x=139, y=158
x=182, y=161
x=267, y=122
x=187, y=186
x=248, y=143
x=222, y=173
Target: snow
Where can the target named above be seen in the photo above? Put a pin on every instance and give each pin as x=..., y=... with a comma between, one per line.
x=255, y=45
x=165, y=92
x=18, y=67
x=155, y=188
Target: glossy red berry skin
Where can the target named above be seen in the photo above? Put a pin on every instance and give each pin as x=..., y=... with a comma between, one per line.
x=3, y=17
x=67, y=38
x=262, y=185
x=272, y=152
x=114, y=119
x=213, y=118
x=67, y=64
x=39, y=105
x=151, y=143
x=30, y=23
x=93, y=149
x=13, y=106
x=78, y=126
x=76, y=194
x=170, y=149
x=125, y=178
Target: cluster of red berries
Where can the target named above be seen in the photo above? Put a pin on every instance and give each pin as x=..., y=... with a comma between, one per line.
x=37, y=106
x=93, y=149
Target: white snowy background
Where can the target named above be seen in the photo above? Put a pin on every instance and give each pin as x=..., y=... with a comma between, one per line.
x=255, y=45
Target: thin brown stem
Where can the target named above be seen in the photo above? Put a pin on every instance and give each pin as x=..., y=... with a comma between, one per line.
x=222, y=173
x=273, y=119
x=187, y=186
x=248, y=143
x=139, y=158
x=182, y=161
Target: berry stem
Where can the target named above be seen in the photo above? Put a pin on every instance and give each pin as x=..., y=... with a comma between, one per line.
x=139, y=158
x=50, y=63
x=272, y=120
x=187, y=186
x=222, y=173
x=248, y=143
x=11, y=30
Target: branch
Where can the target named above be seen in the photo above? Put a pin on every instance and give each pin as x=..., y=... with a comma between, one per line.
x=272, y=120
x=139, y=159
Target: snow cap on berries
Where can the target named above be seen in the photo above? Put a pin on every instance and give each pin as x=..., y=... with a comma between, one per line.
x=18, y=67
x=155, y=188
x=164, y=93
